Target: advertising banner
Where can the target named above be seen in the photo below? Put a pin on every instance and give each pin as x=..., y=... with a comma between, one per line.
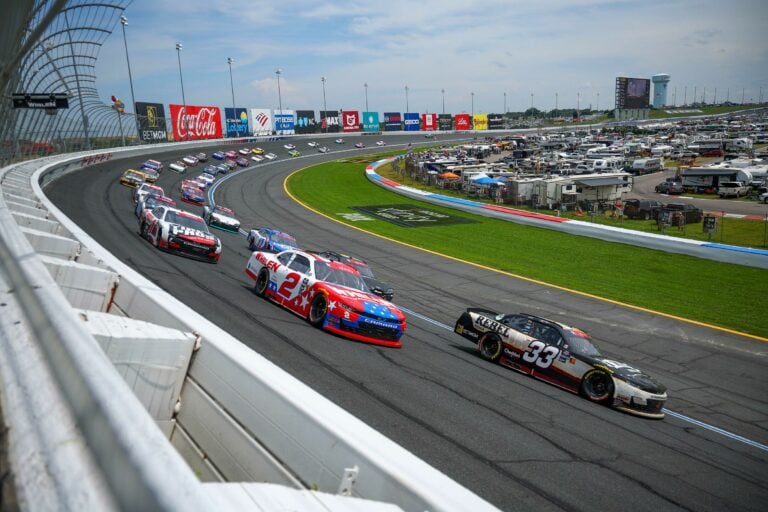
x=261, y=119
x=411, y=121
x=329, y=121
x=481, y=122
x=305, y=121
x=371, y=122
x=462, y=122
x=445, y=122
x=195, y=122
x=151, y=119
x=285, y=123
x=236, y=121
x=429, y=122
x=495, y=122
x=393, y=122
x=350, y=120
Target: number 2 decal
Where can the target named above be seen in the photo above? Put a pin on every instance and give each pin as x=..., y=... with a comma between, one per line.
x=291, y=280
x=541, y=354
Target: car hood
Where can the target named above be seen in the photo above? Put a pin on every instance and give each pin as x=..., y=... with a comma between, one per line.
x=225, y=218
x=376, y=286
x=364, y=301
x=628, y=374
x=191, y=235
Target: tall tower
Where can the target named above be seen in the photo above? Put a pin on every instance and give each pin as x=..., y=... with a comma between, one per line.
x=660, y=82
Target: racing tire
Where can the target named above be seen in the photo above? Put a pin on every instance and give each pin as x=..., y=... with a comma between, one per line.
x=143, y=230
x=262, y=282
x=318, y=310
x=490, y=346
x=158, y=237
x=597, y=386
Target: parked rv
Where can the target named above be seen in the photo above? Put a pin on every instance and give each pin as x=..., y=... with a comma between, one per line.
x=646, y=165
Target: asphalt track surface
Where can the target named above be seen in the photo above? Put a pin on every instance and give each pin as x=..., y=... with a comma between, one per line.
x=517, y=442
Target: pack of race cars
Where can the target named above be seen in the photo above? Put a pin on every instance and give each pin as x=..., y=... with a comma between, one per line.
x=340, y=294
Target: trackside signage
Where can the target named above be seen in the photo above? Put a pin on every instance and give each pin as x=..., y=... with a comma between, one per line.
x=411, y=121
x=195, y=122
x=495, y=122
x=329, y=121
x=151, y=119
x=481, y=121
x=261, y=121
x=462, y=122
x=305, y=121
x=393, y=122
x=350, y=120
x=429, y=122
x=411, y=215
x=444, y=122
x=371, y=122
x=285, y=122
x=236, y=120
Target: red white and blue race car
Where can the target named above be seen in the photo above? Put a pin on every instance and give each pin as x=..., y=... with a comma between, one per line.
x=329, y=294
x=192, y=193
x=178, y=231
x=563, y=356
x=271, y=240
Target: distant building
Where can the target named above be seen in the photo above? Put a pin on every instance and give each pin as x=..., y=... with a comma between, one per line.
x=660, y=82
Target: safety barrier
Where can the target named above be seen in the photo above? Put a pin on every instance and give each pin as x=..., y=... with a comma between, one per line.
x=181, y=373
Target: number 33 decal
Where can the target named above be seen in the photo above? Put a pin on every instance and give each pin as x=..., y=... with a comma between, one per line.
x=541, y=354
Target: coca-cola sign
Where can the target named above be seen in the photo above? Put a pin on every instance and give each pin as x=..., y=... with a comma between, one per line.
x=195, y=122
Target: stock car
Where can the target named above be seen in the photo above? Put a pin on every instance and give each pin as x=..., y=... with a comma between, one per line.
x=152, y=164
x=323, y=149
x=178, y=166
x=201, y=157
x=150, y=175
x=152, y=201
x=329, y=294
x=206, y=180
x=192, y=194
x=175, y=230
x=270, y=156
x=257, y=158
x=339, y=141
x=144, y=190
x=381, y=143
x=189, y=160
x=221, y=217
x=219, y=155
x=563, y=356
x=211, y=169
x=359, y=145
x=132, y=178
x=257, y=151
x=222, y=169
x=242, y=162
x=378, y=287
x=270, y=240
x=231, y=154
x=294, y=153
x=244, y=151
x=289, y=146
x=312, y=144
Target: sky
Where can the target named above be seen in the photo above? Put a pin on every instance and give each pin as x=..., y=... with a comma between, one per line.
x=544, y=53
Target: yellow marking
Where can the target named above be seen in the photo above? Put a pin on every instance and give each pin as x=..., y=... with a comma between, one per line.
x=517, y=276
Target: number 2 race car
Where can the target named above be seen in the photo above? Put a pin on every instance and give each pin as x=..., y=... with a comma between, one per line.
x=329, y=294
x=563, y=356
x=178, y=231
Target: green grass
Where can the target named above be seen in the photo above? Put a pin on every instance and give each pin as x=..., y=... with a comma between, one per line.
x=674, y=284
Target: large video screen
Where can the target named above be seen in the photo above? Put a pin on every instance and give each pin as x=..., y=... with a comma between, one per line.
x=633, y=92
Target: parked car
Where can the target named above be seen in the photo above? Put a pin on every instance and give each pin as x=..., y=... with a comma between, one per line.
x=675, y=212
x=645, y=209
x=669, y=187
x=732, y=189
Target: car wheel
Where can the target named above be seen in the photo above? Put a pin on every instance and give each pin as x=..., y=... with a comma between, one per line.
x=318, y=310
x=158, y=238
x=597, y=386
x=490, y=347
x=143, y=230
x=262, y=282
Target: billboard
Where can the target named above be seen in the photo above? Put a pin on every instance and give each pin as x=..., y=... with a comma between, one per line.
x=393, y=122
x=329, y=121
x=236, y=121
x=371, y=122
x=480, y=122
x=495, y=122
x=462, y=122
x=444, y=122
x=350, y=120
x=195, y=122
x=429, y=122
x=151, y=119
x=305, y=121
x=261, y=119
x=411, y=121
x=285, y=123
x=633, y=92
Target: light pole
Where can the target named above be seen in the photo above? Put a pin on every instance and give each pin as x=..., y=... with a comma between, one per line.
x=555, y=104
x=578, y=106
x=704, y=96
x=406, y=99
x=366, y=96
x=443, y=91
x=325, y=108
x=232, y=86
x=505, y=102
x=714, y=100
x=473, y=110
x=685, y=96
x=694, y=94
x=278, y=71
x=183, y=98
x=124, y=22
x=598, y=102
x=742, y=95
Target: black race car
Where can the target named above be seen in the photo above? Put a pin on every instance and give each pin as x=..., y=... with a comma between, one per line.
x=563, y=356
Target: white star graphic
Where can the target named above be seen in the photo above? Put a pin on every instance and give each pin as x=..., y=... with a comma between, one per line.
x=304, y=302
x=332, y=305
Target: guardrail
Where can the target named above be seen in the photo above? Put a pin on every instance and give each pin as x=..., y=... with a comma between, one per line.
x=713, y=251
x=186, y=376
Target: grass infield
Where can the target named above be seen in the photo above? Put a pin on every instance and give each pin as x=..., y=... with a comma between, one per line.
x=721, y=294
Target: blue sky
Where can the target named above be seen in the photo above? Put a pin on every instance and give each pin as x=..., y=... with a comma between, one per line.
x=553, y=49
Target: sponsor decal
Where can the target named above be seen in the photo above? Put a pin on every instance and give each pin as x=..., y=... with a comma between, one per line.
x=462, y=122
x=411, y=215
x=495, y=122
x=151, y=119
x=350, y=120
x=285, y=123
x=236, y=120
x=429, y=122
x=393, y=122
x=492, y=325
x=305, y=121
x=371, y=122
x=354, y=217
x=411, y=121
x=95, y=159
x=329, y=121
x=195, y=122
x=261, y=119
x=445, y=122
x=511, y=353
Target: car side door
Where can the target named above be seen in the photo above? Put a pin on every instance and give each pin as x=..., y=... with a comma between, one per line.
x=544, y=349
x=291, y=276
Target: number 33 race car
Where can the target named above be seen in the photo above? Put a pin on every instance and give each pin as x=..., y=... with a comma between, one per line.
x=329, y=294
x=563, y=356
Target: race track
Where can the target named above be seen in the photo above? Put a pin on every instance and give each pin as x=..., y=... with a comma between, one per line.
x=517, y=442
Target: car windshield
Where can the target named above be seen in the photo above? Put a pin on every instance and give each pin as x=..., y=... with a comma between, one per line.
x=578, y=343
x=338, y=275
x=188, y=221
x=364, y=269
x=284, y=239
x=223, y=210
